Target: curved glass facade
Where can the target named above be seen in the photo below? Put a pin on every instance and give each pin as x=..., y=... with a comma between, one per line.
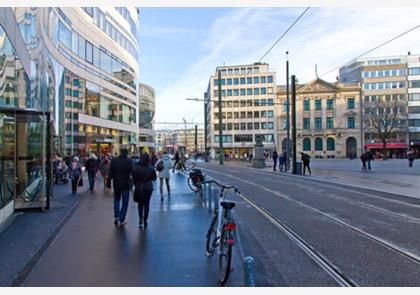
x=89, y=77
x=146, y=115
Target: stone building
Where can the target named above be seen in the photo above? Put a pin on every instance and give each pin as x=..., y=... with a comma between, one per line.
x=328, y=122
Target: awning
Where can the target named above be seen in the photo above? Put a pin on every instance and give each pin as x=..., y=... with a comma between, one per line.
x=391, y=145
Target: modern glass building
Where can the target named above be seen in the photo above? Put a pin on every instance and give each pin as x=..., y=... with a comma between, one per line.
x=68, y=85
x=146, y=115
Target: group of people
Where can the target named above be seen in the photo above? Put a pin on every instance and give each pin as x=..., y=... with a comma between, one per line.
x=283, y=162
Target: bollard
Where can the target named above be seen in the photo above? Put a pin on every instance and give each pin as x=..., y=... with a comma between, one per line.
x=249, y=271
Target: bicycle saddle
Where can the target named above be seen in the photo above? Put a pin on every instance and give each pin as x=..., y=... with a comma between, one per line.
x=227, y=205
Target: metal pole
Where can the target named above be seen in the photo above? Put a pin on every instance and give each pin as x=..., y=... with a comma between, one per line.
x=205, y=130
x=221, y=154
x=195, y=139
x=288, y=111
x=294, y=124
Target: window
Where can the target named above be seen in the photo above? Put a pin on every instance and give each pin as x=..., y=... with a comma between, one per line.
x=263, y=80
x=256, y=91
x=82, y=47
x=306, y=123
x=318, y=144
x=256, y=125
x=263, y=90
x=330, y=104
x=415, y=84
x=263, y=103
x=249, y=80
x=263, y=114
x=249, y=115
x=243, y=138
x=270, y=114
x=256, y=80
x=256, y=114
x=89, y=52
x=318, y=123
x=249, y=91
x=64, y=35
x=242, y=80
x=263, y=125
x=243, y=115
x=243, y=126
x=235, y=126
x=306, y=144
x=317, y=104
x=330, y=144
x=249, y=103
x=236, y=92
x=236, y=115
x=229, y=81
x=351, y=123
x=235, y=81
x=96, y=56
x=270, y=125
x=229, y=92
x=236, y=104
x=306, y=105
x=243, y=103
x=330, y=122
x=350, y=103
x=269, y=79
x=74, y=42
x=225, y=138
x=257, y=102
x=229, y=126
x=229, y=115
x=249, y=126
x=242, y=91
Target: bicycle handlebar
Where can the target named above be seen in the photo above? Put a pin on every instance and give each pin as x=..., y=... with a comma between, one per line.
x=227, y=187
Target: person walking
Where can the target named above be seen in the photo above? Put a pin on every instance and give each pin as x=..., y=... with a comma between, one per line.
x=119, y=175
x=92, y=169
x=369, y=158
x=410, y=157
x=285, y=159
x=153, y=159
x=281, y=162
x=275, y=158
x=75, y=174
x=176, y=160
x=363, y=158
x=143, y=175
x=305, y=158
x=163, y=166
x=105, y=167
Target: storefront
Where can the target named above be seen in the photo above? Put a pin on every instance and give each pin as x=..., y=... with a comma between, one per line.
x=394, y=149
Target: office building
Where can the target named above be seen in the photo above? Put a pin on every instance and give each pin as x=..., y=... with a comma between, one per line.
x=147, y=109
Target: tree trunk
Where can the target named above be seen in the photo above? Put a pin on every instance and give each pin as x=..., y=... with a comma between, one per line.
x=384, y=152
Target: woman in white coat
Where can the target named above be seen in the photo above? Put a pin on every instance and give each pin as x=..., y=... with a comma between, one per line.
x=163, y=166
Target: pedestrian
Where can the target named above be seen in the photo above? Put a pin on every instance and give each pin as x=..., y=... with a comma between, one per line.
x=369, y=158
x=143, y=175
x=92, y=169
x=281, y=162
x=305, y=158
x=176, y=160
x=275, y=158
x=119, y=174
x=153, y=159
x=104, y=167
x=75, y=174
x=68, y=160
x=363, y=158
x=286, y=161
x=163, y=166
x=410, y=157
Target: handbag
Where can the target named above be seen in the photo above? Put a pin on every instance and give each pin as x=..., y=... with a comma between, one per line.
x=139, y=195
x=80, y=182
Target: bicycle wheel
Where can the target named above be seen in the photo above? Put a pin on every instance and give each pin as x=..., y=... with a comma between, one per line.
x=211, y=237
x=191, y=185
x=225, y=257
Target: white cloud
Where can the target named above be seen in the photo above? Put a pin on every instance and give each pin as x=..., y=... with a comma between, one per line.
x=327, y=37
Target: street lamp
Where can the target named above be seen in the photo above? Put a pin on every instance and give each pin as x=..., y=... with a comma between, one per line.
x=288, y=111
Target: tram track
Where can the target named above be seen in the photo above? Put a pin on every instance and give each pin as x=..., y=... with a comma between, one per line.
x=332, y=270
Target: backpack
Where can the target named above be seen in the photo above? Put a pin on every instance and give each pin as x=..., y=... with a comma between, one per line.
x=139, y=193
x=160, y=166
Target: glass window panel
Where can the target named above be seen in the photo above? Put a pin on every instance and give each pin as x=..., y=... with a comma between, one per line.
x=89, y=52
x=82, y=47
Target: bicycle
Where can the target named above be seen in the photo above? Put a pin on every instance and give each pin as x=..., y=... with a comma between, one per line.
x=195, y=180
x=221, y=234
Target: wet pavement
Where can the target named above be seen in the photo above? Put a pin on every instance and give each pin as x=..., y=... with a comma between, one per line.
x=91, y=251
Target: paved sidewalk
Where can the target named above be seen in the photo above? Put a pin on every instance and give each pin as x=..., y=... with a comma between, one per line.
x=91, y=251
x=29, y=232
x=391, y=176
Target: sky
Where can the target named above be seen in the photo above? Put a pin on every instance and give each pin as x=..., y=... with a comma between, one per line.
x=180, y=48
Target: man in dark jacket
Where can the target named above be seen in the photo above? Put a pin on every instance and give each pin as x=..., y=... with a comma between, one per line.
x=143, y=175
x=119, y=174
x=92, y=168
x=286, y=161
x=176, y=161
x=275, y=158
x=305, y=161
x=369, y=157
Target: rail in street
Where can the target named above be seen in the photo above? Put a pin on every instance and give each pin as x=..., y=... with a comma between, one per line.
x=369, y=238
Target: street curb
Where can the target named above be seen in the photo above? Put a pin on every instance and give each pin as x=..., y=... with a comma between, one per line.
x=23, y=273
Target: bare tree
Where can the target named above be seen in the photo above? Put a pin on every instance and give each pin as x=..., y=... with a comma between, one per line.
x=384, y=120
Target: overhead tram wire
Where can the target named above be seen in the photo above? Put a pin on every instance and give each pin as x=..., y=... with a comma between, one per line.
x=370, y=50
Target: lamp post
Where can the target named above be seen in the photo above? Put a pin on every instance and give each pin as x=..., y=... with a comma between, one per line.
x=294, y=124
x=288, y=111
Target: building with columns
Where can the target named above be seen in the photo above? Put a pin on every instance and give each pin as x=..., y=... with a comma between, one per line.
x=328, y=122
